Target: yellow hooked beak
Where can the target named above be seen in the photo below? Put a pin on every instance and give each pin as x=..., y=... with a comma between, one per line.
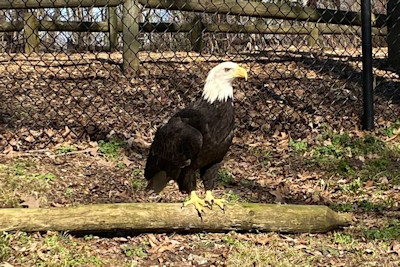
x=240, y=72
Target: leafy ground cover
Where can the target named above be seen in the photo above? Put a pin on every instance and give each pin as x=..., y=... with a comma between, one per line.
x=347, y=172
x=296, y=142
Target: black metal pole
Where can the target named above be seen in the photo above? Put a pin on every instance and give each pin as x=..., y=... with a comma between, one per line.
x=367, y=78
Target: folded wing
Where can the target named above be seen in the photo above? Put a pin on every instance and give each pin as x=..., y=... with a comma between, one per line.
x=174, y=147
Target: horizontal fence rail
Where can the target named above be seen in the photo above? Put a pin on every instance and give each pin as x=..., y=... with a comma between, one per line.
x=74, y=26
x=29, y=4
x=265, y=10
x=231, y=7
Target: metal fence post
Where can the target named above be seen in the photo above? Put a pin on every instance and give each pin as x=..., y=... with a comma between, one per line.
x=393, y=35
x=367, y=78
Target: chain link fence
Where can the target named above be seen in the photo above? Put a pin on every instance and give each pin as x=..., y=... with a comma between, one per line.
x=79, y=71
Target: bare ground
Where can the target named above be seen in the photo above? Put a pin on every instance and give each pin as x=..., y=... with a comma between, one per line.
x=297, y=141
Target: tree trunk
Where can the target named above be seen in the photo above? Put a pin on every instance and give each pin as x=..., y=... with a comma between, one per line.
x=170, y=217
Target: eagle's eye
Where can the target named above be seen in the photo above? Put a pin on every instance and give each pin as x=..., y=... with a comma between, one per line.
x=227, y=69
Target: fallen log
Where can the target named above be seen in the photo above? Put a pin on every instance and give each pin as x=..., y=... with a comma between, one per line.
x=171, y=217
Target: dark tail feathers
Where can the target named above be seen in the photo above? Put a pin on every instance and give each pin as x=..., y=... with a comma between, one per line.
x=158, y=182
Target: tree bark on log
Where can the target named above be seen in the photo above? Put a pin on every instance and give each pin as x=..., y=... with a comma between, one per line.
x=171, y=217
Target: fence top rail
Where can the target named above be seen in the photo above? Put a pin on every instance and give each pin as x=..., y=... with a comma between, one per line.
x=266, y=10
x=24, y=4
x=232, y=7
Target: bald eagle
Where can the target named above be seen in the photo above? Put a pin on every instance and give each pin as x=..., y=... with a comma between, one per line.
x=196, y=139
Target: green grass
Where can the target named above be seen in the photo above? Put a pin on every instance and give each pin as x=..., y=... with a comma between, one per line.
x=61, y=251
x=21, y=177
x=366, y=158
x=51, y=250
x=347, y=207
x=344, y=167
x=88, y=237
x=390, y=131
x=65, y=149
x=344, y=143
x=225, y=178
x=247, y=183
x=203, y=242
x=364, y=205
x=341, y=238
x=232, y=197
x=44, y=176
x=24, y=239
x=386, y=166
x=5, y=249
x=137, y=182
x=325, y=153
x=247, y=254
x=231, y=240
x=132, y=251
x=341, y=146
x=330, y=250
x=137, y=173
x=263, y=155
x=298, y=146
x=69, y=192
x=19, y=167
x=121, y=165
x=110, y=149
x=390, y=232
x=373, y=207
x=354, y=187
x=369, y=145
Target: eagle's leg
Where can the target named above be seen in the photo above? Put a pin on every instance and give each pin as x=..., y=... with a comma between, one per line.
x=211, y=200
x=187, y=183
x=196, y=201
x=209, y=176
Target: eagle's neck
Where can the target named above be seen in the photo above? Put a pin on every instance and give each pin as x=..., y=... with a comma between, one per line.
x=217, y=91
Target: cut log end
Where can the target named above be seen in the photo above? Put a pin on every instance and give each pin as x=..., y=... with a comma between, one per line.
x=344, y=219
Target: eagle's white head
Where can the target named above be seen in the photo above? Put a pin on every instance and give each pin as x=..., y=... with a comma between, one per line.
x=219, y=81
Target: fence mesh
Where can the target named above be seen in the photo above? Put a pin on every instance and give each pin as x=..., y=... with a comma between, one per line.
x=62, y=78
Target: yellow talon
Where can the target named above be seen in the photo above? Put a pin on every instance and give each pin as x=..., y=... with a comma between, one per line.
x=211, y=200
x=196, y=201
